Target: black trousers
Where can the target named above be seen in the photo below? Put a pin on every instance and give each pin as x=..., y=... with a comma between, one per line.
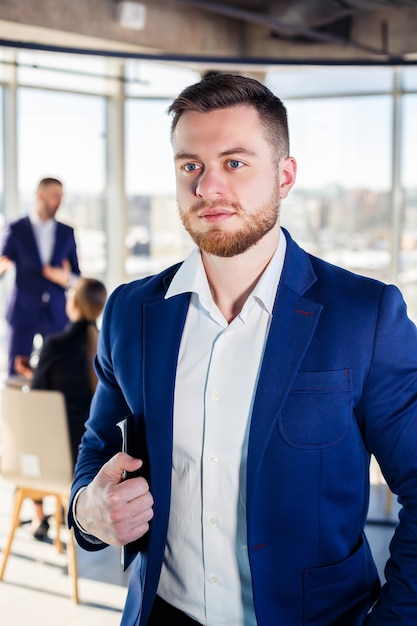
x=164, y=614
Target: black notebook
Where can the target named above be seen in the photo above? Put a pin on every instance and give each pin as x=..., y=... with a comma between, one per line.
x=133, y=443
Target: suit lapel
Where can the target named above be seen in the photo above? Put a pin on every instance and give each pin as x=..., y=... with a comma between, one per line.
x=163, y=324
x=58, y=243
x=293, y=324
x=31, y=242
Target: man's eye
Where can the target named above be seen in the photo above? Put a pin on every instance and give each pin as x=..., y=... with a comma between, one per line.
x=235, y=164
x=190, y=167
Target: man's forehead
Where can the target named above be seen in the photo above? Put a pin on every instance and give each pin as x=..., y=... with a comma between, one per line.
x=227, y=126
x=52, y=188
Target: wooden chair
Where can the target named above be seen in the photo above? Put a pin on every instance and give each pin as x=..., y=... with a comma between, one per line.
x=36, y=458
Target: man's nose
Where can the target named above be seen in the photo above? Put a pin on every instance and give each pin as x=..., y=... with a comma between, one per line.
x=211, y=183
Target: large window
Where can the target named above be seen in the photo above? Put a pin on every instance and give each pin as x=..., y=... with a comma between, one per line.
x=3, y=328
x=1, y=163
x=407, y=278
x=353, y=132
x=63, y=135
x=155, y=237
x=339, y=206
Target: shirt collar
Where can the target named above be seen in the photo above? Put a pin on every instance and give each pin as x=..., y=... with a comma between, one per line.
x=266, y=288
x=191, y=277
x=37, y=221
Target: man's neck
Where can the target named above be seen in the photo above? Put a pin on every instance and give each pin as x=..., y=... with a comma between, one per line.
x=232, y=279
x=41, y=214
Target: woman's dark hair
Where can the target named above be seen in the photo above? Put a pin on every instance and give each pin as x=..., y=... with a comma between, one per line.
x=90, y=297
x=221, y=91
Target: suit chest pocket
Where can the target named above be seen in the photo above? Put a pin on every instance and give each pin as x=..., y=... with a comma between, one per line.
x=318, y=409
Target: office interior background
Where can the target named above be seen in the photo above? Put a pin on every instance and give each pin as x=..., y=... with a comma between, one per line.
x=84, y=91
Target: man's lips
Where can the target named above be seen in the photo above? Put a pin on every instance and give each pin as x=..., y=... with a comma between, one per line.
x=215, y=214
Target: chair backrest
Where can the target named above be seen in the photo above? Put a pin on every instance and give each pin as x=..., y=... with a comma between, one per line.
x=35, y=441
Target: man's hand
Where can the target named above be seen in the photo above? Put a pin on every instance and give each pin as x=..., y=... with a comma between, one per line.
x=22, y=366
x=61, y=275
x=5, y=264
x=115, y=510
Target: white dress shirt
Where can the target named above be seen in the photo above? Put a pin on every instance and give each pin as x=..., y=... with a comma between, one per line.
x=206, y=571
x=44, y=231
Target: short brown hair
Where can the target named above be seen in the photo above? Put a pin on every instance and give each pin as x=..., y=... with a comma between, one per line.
x=45, y=182
x=221, y=91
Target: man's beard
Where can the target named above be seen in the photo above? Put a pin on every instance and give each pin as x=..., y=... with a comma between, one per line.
x=221, y=243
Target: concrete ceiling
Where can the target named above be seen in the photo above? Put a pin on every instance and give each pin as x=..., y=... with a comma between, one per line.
x=230, y=31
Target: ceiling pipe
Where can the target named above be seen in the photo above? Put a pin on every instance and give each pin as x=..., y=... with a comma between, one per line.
x=280, y=27
x=210, y=60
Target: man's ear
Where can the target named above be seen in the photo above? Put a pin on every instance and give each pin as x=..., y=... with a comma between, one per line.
x=287, y=174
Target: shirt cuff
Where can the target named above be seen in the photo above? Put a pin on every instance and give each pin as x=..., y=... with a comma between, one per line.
x=86, y=535
x=74, y=516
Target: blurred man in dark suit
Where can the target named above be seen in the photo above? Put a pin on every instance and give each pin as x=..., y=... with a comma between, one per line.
x=44, y=254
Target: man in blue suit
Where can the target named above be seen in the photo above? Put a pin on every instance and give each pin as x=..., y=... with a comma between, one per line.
x=44, y=254
x=257, y=380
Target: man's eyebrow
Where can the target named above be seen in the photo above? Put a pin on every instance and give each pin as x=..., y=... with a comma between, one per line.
x=189, y=156
x=237, y=150
x=182, y=155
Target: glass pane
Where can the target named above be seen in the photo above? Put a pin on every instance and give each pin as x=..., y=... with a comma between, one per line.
x=339, y=207
x=90, y=74
x=62, y=135
x=7, y=64
x=3, y=282
x=408, y=268
x=151, y=79
x=410, y=78
x=155, y=236
x=1, y=161
x=319, y=81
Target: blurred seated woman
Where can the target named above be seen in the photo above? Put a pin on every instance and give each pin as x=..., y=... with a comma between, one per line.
x=66, y=364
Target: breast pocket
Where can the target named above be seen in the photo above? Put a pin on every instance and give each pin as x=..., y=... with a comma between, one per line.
x=318, y=409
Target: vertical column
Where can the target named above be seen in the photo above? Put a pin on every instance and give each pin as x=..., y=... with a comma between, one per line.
x=11, y=198
x=116, y=222
x=397, y=195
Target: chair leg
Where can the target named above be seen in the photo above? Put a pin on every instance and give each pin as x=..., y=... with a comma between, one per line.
x=72, y=566
x=71, y=555
x=58, y=522
x=15, y=521
x=71, y=550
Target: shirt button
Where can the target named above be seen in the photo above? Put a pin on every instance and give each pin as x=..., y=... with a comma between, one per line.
x=213, y=579
x=214, y=460
x=215, y=397
x=213, y=521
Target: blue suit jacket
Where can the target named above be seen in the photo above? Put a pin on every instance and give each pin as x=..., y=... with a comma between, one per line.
x=338, y=382
x=19, y=245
